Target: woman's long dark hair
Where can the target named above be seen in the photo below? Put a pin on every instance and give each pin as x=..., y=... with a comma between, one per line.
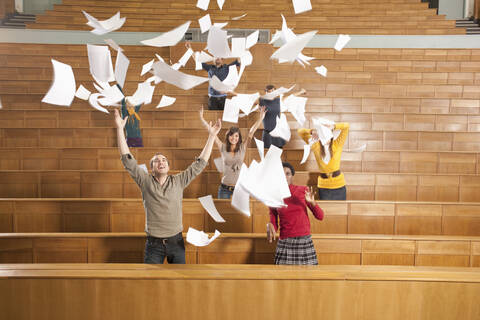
x=322, y=149
x=231, y=131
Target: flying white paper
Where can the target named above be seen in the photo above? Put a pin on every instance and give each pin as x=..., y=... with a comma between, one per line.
x=219, y=164
x=230, y=112
x=290, y=50
x=301, y=6
x=217, y=43
x=238, y=46
x=245, y=101
x=182, y=80
x=296, y=106
x=82, y=93
x=113, y=44
x=220, y=25
x=220, y=86
x=184, y=59
x=321, y=70
x=111, y=96
x=220, y=3
x=143, y=95
x=342, y=41
x=62, y=90
x=207, y=204
x=200, y=238
x=93, y=100
x=260, y=147
x=201, y=57
x=147, y=67
x=121, y=68
x=169, y=38
x=252, y=39
x=241, y=197
x=203, y=4
x=282, y=128
x=306, y=153
x=275, y=93
x=166, y=101
x=239, y=17
x=105, y=26
x=205, y=23
x=324, y=133
x=100, y=62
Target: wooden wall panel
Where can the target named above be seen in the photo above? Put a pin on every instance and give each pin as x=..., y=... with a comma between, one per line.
x=418, y=219
x=388, y=252
x=452, y=254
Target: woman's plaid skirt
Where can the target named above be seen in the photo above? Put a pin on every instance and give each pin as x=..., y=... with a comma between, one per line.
x=296, y=250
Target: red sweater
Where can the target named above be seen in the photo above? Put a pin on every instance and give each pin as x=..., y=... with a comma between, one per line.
x=294, y=220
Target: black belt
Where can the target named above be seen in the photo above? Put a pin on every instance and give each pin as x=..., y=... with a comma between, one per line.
x=330, y=175
x=163, y=240
x=229, y=188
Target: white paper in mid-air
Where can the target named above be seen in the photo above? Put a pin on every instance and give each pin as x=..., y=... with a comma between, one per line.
x=220, y=3
x=238, y=46
x=241, y=197
x=62, y=90
x=252, y=39
x=217, y=43
x=207, y=204
x=324, y=133
x=230, y=112
x=93, y=100
x=301, y=6
x=201, y=57
x=111, y=96
x=182, y=80
x=82, y=93
x=260, y=147
x=200, y=238
x=121, y=68
x=205, y=23
x=166, y=101
x=143, y=94
x=100, y=62
x=321, y=70
x=220, y=86
x=245, y=101
x=143, y=167
x=342, y=41
x=113, y=44
x=203, y=4
x=184, y=59
x=306, y=153
x=282, y=129
x=219, y=164
x=275, y=93
x=169, y=38
x=296, y=106
x=220, y=25
x=104, y=26
x=290, y=50
x=147, y=67
x=239, y=17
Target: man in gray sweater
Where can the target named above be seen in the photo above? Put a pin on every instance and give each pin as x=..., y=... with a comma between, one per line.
x=162, y=196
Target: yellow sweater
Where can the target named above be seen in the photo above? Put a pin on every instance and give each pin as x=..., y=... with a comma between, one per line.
x=334, y=163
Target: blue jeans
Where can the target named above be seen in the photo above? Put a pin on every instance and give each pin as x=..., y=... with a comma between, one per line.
x=332, y=194
x=156, y=249
x=224, y=193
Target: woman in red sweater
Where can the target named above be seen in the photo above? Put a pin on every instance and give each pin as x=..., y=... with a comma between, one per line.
x=295, y=245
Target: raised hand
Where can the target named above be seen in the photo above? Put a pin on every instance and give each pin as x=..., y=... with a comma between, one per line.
x=119, y=122
x=309, y=197
x=315, y=136
x=270, y=232
x=215, y=128
x=188, y=45
x=263, y=111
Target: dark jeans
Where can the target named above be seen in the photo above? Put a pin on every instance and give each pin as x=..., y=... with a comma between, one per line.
x=156, y=249
x=216, y=103
x=269, y=140
x=332, y=194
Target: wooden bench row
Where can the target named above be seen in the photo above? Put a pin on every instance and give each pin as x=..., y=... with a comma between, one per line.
x=54, y=291
x=105, y=159
x=244, y=248
x=341, y=217
x=118, y=184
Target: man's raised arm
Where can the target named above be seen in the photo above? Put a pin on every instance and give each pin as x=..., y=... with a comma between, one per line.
x=121, y=141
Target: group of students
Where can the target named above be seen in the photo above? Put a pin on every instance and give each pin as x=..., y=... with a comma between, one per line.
x=163, y=193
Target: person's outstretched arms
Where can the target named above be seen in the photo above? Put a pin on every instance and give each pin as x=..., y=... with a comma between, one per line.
x=272, y=226
x=218, y=142
x=213, y=130
x=300, y=92
x=312, y=205
x=121, y=141
x=261, y=116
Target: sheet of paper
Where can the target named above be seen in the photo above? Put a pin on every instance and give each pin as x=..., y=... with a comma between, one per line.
x=105, y=26
x=166, y=101
x=290, y=50
x=209, y=206
x=121, y=68
x=252, y=39
x=184, y=59
x=200, y=238
x=303, y=59
x=111, y=96
x=245, y=101
x=93, y=100
x=82, y=93
x=217, y=43
x=100, y=62
x=62, y=90
x=296, y=106
x=275, y=93
x=239, y=17
x=169, y=38
x=143, y=94
x=113, y=44
x=342, y=41
x=203, y=4
x=143, y=167
x=321, y=70
x=286, y=34
x=147, y=67
x=230, y=112
x=182, y=80
x=205, y=23
x=282, y=129
x=260, y=147
x=238, y=46
x=301, y=6
x=306, y=153
x=324, y=133
x=220, y=3
x=241, y=197
x=220, y=25
x=220, y=86
x=232, y=78
x=218, y=164
x=277, y=35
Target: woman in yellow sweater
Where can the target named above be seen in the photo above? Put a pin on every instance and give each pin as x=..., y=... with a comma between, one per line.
x=331, y=182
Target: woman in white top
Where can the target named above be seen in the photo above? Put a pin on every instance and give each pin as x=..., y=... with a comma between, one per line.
x=233, y=152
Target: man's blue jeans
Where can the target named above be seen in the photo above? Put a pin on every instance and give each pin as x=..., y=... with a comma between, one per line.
x=173, y=248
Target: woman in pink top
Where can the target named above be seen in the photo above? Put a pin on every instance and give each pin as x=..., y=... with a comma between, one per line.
x=295, y=245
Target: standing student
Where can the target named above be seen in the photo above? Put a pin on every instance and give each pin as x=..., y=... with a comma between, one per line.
x=331, y=182
x=270, y=120
x=295, y=245
x=233, y=152
x=162, y=196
